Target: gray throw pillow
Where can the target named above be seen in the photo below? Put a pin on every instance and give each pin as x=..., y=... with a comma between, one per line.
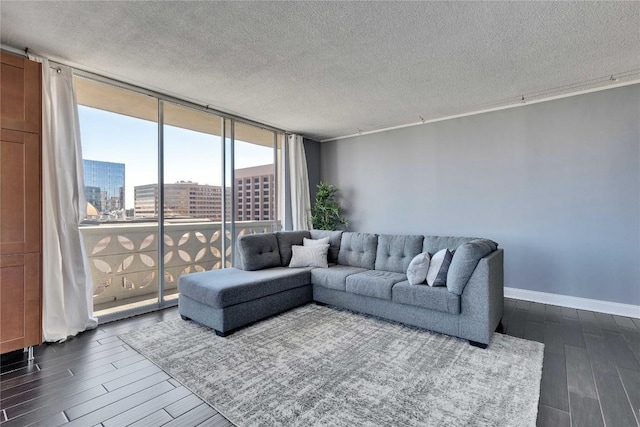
x=286, y=239
x=438, y=268
x=335, y=238
x=309, y=256
x=418, y=268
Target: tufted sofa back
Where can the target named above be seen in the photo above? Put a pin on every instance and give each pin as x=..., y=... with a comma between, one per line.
x=358, y=250
x=384, y=252
x=433, y=244
x=395, y=252
x=286, y=239
x=258, y=251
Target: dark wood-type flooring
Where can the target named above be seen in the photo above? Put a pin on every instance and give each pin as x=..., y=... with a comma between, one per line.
x=590, y=376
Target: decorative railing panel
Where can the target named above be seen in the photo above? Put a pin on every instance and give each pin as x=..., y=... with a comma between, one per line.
x=124, y=257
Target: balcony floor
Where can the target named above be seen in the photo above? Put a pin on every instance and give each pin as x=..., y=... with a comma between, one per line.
x=131, y=303
x=95, y=376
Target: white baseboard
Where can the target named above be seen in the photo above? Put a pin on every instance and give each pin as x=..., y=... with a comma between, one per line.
x=609, y=307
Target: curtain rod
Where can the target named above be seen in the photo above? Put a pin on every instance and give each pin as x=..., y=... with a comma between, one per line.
x=164, y=97
x=124, y=85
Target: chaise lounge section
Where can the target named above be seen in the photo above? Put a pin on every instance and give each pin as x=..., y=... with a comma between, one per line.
x=367, y=273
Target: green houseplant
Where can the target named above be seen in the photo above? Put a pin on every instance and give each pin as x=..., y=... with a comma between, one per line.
x=325, y=213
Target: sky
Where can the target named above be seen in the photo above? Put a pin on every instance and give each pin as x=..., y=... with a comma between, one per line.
x=189, y=155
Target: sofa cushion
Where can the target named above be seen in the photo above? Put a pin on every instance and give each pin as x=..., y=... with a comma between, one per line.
x=231, y=286
x=465, y=260
x=309, y=256
x=439, y=299
x=433, y=244
x=358, y=250
x=286, y=239
x=258, y=251
x=395, y=252
x=334, y=277
x=374, y=283
x=334, y=241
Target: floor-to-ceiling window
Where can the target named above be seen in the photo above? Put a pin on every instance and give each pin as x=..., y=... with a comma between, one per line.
x=157, y=168
x=192, y=193
x=254, y=178
x=119, y=149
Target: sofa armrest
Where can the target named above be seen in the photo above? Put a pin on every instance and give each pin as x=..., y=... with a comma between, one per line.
x=482, y=301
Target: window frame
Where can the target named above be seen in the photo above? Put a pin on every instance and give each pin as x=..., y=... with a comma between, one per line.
x=227, y=214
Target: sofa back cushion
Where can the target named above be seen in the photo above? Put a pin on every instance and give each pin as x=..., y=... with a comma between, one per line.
x=286, y=239
x=395, y=252
x=258, y=251
x=465, y=260
x=433, y=244
x=334, y=242
x=358, y=250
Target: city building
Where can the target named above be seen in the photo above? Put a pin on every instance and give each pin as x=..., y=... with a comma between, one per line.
x=145, y=201
x=104, y=184
x=254, y=193
x=183, y=199
x=254, y=197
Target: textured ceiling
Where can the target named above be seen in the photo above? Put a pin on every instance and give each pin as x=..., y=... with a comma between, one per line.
x=331, y=69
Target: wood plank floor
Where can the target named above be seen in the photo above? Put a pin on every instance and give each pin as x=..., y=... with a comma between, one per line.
x=590, y=377
x=95, y=379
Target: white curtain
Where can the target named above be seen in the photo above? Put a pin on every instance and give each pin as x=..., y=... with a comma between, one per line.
x=67, y=286
x=299, y=184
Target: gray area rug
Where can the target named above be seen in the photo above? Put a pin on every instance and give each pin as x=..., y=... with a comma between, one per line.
x=321, y=366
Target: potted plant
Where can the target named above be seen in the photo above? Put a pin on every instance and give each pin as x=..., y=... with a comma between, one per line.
x=325, y=213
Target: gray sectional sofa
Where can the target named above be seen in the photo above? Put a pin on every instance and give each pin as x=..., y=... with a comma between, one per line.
x=366, y=274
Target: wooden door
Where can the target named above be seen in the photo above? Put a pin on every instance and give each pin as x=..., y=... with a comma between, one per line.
x=19, y=192
x=20, y=204
x=20, y=102
x=20, y=306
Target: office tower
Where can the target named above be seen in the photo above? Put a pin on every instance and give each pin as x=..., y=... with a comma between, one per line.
x=104, y=184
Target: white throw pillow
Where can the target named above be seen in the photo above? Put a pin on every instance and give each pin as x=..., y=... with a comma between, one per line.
x=437, y=275
x=418, y=268
x=309, y=256
x=314, y=242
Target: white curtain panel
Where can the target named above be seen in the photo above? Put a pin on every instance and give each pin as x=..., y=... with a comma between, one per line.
x=299, y=184
x=67, y=286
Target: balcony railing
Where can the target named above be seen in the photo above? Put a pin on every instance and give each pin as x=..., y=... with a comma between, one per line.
x=124, y=257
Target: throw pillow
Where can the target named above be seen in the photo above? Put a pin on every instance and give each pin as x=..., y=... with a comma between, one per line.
x=309, y=256
x=315, y=242
x=438, y=268
x=418, y=268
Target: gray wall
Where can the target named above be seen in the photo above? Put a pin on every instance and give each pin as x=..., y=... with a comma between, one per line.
x=312, y=154
x=557, y=184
